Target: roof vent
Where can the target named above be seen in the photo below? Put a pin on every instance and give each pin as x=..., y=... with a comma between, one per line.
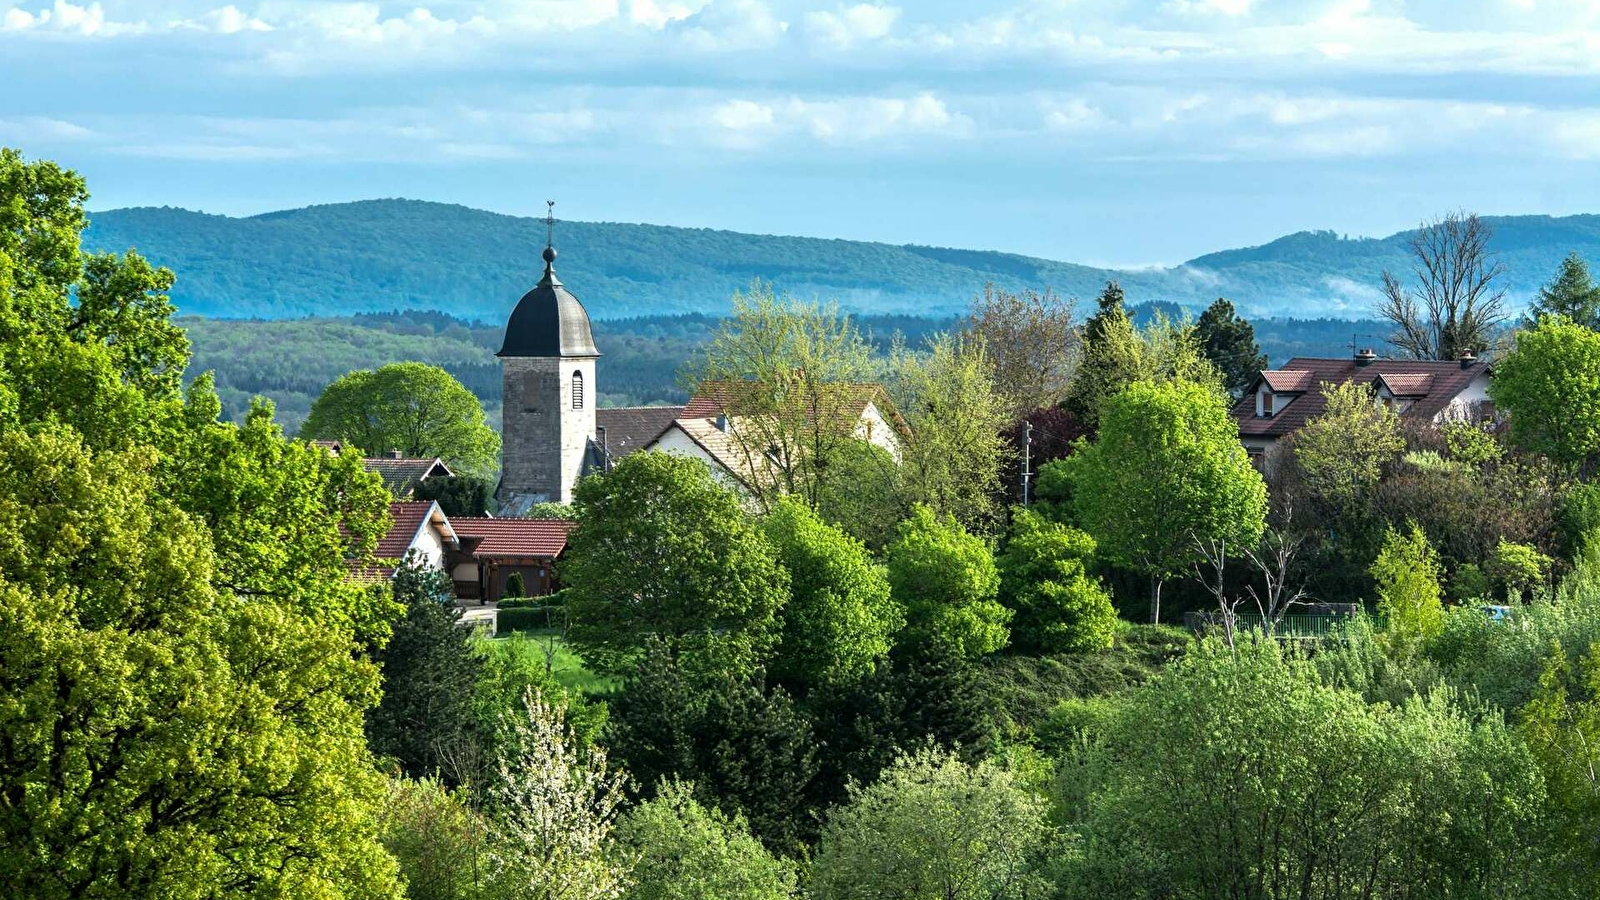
x=1468, y=358
x=1365, y=356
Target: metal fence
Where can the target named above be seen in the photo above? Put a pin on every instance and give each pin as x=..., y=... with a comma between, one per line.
x=1312, y=625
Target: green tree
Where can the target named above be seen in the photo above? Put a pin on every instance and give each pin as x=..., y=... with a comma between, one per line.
x=185, y=653
x=682, y=850
x=863, y=495
x=1573, y=295
x=430, y=670
x=747, y=748
x=439, y=841
x=1229, y=341
x=786, y=372
x=1116, y=354
x=1167, y=471
x=458, y=495
x=1549, y=387
x=418, y=409
x=934, y=828
x=1407, y=573
x=1238, y=773
x=1057, y=606
x=840, y=620
x=1342, y=453
x=947, y=582
x=1562, y=727
x=663, y=552
x=1518, y=568
x=952, y=462
x=1031, y=342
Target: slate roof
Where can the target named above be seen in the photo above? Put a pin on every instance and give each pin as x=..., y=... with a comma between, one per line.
x=401, y=475
x=513, y=537
x=630, y=428
x=1438, y=382
x=549, y=321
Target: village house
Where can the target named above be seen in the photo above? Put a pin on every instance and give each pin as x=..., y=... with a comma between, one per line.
x=1281, y=400
x=400, y=473
x=480, y=553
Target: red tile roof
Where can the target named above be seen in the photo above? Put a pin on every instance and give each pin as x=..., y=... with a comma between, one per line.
x=544, y=538
x=1439, y=382
x=408, y=517
x=1289, y=381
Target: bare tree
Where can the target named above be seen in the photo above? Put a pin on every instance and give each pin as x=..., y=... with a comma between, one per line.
x=1032, y=341
x=1274, y=559
x=1211, y=569
x=1455, y=304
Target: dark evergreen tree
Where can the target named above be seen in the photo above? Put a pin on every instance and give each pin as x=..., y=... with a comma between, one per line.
x=458, y=495
x=747, y=747
x=922, y=696
x=1229, y=341
x=1111, y=304
x=429, y=671
x=1573, y=294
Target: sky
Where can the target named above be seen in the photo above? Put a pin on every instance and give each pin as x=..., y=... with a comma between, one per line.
x=1107, y=132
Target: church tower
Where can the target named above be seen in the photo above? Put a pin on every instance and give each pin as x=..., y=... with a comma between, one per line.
x=547, y=372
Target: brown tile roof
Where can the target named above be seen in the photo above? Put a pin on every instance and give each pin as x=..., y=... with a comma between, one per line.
x=407, y=517
x=401, y=475
x=1408, y=385
x=1440, y=381
x=333, y=447
x=513, y=537
x=630, y=428
x=1288, y=381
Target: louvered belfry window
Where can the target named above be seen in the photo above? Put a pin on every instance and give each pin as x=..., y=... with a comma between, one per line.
x=577, y=390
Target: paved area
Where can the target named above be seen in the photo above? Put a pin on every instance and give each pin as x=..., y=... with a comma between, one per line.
x=478, y=616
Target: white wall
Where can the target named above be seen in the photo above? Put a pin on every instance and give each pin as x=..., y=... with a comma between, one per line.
x=875, y=428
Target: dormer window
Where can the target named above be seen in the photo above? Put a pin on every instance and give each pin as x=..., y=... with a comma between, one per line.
x=1267, y=403
x=577, y=390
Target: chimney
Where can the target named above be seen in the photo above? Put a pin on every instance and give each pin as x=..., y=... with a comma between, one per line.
x=722, y=422
x=396, y=454
x=1467, y=359
x=1365, y=357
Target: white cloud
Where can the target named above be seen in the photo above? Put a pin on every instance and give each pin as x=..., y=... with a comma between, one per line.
x=68, y=18
x=724, y=25
x=226, y=20
x=848, y=26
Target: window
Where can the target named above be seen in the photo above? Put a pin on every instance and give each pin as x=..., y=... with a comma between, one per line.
x=577, y=390
x=1267, y=401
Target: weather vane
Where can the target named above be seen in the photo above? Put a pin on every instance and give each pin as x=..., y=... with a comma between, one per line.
x=550, y=223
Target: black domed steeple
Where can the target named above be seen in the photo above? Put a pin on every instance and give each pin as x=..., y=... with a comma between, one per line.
x=548, y=320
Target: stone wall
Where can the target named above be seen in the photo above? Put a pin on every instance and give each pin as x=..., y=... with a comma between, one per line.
x=543, y=437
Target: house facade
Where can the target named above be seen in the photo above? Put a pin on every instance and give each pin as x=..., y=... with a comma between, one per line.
x=1280, y=401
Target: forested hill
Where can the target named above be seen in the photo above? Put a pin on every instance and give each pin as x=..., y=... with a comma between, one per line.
x=398, y=254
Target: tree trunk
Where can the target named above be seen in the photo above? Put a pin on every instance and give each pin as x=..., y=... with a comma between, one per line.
x=1155, y=600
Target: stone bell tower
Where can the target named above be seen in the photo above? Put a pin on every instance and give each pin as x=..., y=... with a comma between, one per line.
x=547, y=372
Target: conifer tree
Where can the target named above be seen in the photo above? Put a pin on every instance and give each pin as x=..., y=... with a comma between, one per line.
x=1573, y=294
x=1229, y=341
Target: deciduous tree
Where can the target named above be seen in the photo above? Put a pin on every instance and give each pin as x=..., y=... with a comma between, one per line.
x=683, y=850
x=1456, y=303
x=934, y=828
x=1044, y=579
x=1549, y=387
x=418, y=409
x=1166, y=471
x=1031, y=342
x=947, y=581
x=662, y=552
x=840, y=620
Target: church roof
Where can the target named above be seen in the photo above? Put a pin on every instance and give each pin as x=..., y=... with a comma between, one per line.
x=548, y=320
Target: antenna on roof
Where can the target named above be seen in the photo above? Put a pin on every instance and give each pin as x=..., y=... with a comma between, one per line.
x=1355, y=341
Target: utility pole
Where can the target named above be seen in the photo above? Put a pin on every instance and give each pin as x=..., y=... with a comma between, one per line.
x=1027, y=458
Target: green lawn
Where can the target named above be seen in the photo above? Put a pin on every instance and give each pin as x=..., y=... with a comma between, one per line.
x=546, y=647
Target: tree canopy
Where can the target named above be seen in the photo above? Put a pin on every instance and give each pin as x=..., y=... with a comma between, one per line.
x=1549, y=386
x=1573, y=295
x=1229, y=341
x=412, y=407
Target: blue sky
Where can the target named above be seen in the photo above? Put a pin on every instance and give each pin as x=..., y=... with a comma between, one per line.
x=1099, y=131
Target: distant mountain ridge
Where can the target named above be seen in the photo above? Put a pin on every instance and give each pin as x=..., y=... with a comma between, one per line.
x=376, y=255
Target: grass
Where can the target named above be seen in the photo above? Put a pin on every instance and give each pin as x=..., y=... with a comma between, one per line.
x=545, y=647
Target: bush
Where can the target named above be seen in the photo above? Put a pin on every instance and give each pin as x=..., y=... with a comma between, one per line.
x=522, y=618
x=682, y=850
x=516, y=586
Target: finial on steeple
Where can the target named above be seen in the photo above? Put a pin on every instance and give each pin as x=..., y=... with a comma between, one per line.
x=549, y=233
